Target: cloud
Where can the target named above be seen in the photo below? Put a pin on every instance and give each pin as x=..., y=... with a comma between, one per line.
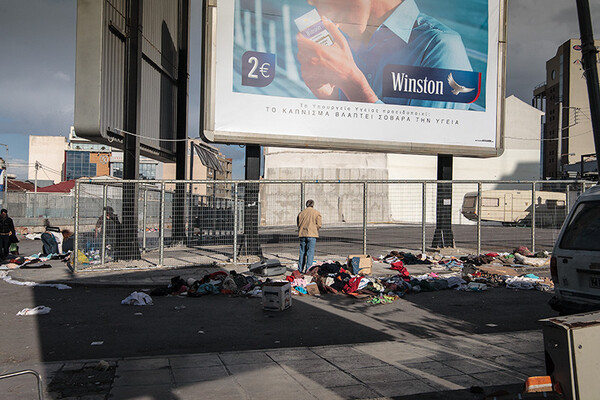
x=38, y=66
x=62, y=76
x=535, y=30
x=17, y=167
x=36, y=104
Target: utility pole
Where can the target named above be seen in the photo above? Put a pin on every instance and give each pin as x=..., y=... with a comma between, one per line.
x=37, y=167
x=35, y=187
x=590, y=67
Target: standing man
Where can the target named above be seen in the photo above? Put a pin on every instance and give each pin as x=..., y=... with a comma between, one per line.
x=7, y=229
x=309, y=222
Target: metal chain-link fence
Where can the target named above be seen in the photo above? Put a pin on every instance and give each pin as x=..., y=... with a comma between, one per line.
x=172, y=223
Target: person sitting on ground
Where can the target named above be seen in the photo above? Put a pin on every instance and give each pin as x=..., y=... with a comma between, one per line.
x=67, y=240
x=113, y=233
x=52, y=240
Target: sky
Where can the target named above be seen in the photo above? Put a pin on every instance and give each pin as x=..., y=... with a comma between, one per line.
x=37, y=66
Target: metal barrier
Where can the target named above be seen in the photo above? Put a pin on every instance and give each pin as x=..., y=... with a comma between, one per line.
x=174, y=223
x=24, y=372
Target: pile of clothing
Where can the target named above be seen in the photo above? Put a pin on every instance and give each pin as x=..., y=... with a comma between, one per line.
x=219, y=282
x=34, y=261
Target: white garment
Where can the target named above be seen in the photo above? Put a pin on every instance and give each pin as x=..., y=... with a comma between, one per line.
x=137, y=299
x=8, y=279
x=59, y=240
x=521, y=282
x=35, y=311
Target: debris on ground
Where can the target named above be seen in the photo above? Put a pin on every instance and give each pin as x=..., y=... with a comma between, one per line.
x=137, y=299
x=471, y=273
x=39, y=310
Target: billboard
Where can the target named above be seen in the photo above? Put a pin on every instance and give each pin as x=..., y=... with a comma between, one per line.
x=414, y=76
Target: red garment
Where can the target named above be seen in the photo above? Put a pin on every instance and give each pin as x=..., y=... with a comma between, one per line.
x=399, y=266
x=492, y=254
x=290, y=278
x=296, y=274
x=216, y=274
x=352, y=285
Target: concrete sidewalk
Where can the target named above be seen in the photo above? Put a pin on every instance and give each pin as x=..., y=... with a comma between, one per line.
x=134, y=276
x=141, y=275
x=445, y=368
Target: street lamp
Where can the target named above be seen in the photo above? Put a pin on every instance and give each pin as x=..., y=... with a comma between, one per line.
x=4, y=196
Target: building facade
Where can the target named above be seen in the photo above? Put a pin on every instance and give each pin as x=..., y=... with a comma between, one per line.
x=58, y=158
x=520, y=161
x=567, y=136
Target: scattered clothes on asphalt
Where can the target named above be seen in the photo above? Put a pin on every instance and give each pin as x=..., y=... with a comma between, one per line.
x=31, y=261
x=35, y=311
x=533, y=261
x=137, y=299
x=5, y=277
x=472, y=273
x=524, y=282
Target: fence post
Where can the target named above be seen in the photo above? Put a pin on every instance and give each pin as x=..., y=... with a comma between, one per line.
x=567, y=202
x=478, y=218
x=161, y=241
x=533, y=204
x=104, y=205
x=76, y=240
x=423, y=216
x=235, y=221
x=144, y=220
x=365, y=188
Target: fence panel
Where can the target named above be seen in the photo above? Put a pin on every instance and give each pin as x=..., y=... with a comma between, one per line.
x=202, y=222
x=394, y=217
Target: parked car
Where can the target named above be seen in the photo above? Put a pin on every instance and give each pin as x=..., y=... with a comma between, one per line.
x=575, y=262
x=513, y=207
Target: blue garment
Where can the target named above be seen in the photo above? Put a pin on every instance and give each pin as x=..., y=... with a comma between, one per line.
x=307, y=253
x=49, y=244
x=409, y=37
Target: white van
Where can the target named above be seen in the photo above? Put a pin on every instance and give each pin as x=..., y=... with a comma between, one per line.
x=575, y=262
x=513, y=207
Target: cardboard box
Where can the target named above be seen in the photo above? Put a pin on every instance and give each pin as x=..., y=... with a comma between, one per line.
x=276, y=296
x=536, y=384
x=313, y=289
x=360, y=264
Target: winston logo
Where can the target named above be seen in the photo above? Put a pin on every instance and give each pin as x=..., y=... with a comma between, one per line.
x=434, y=84
x=402, y=82
x=456, y=88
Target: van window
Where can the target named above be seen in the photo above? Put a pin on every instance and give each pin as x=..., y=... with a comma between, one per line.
x=583, y=230
x=490, y=202
x=469, y=202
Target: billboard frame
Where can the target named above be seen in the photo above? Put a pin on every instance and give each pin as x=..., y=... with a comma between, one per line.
x=101, y=74
x=208, y=96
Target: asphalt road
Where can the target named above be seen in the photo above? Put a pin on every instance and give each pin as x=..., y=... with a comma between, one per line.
x=385, y=237
x=182, y=325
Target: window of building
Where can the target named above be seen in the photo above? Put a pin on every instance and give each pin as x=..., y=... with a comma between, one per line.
x=147, y=170
x=78, y=165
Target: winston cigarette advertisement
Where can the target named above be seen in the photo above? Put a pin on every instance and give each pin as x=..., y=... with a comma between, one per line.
x=356, y=73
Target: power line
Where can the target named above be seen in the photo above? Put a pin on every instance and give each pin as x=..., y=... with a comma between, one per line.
x=151, y=138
